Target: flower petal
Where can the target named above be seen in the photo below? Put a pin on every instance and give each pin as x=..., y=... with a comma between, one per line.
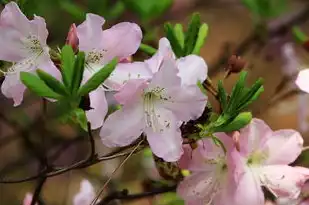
x=283, y=147
x=127, y=71
x=121, y=40
x=186, y=158
x=302, y=80
x=192, y=68
x=99, y=104
x=13, y=88
x=164, y=49
x=131, y=92
x=85, y=195
x=123, y=126
x=253, y=136
x=164, y=137
x=90, y=33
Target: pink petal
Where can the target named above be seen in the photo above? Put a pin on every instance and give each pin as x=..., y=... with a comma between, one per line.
x=305, y=202
x=46, y=64
x=28, y=199
x=127, y=71
x=282, y=180
x=98, y=102
x=13, y=88
x=72, y=38
x=131, y=91
x=186, y=158
x=164, y=49
x=283, y=147
x=90, y=33
x=253, y=136
x=38, y=27
x=121, y=40
x=192, y=68
x=85, y=195
x=302, y=80
x=123, y=126
x=164, y=137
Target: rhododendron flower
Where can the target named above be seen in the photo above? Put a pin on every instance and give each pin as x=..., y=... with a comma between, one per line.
x=263, y=161
x=210, y=179
x=145, y=70
x=302, y=80
x=85, y=195
x=154, y=107
x=22, y=42
x=28, y=199
x=101, y=46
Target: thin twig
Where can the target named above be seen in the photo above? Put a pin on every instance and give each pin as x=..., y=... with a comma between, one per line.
x=92, y=142
x=38, y=190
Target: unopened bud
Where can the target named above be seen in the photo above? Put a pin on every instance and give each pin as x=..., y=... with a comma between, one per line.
x=235, y=64
x=306, y=45
x=72, y=38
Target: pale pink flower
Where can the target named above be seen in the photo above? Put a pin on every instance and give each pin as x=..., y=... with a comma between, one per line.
x=263, y=161
x=302, y=80
x=210, y=181
x=85, y=195
x=28, y=199
x=22, y=42
x=101, y=46
x=154, y=107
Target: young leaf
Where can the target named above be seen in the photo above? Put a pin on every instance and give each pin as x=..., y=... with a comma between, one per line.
x=36, y=85
x=98, y=78
x=52, y=82
x=79, y=116
x=202, y=34
x=147, y=49
x=78, y=72
x=191, y=34
x=178, y=31
x=67, y=64
x=299, y=36
x=169, y=32
x=222, y=96
x=240, y=121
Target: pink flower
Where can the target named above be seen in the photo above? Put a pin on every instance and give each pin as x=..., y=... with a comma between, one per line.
x=263, y=161
x=210, y=181
x=28, y=199
x=22, y=42
x=72, y=38
x=122, y=40
x=302, y=80
x=154, y=107
x=85, y=195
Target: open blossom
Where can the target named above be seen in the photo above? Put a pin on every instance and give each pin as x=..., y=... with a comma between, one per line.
x=22, y=42
x=210, y=181
x=263, y=161
x=101, y=46
x=154, y=107
x=85, y=195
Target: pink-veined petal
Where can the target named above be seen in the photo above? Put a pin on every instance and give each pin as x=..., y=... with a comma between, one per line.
x=90, y=33
x=283, y=147
x=127, y=71
x=131, y=91
x=13, y=88
x=121, y=40
x=302, y=80
x=99, y=104
x=192, y=68
x=253, y=136
x=123, y=126
x=164, y=49
x=164, y=136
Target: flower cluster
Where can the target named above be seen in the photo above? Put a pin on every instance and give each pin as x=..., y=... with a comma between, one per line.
x=156, y=97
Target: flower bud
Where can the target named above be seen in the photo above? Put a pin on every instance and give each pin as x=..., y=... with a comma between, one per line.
x=235, y=64
x=306, y=45
x=72, y=38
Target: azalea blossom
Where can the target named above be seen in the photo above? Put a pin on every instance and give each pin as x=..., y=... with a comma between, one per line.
x=101, y=46
x=28, y=199
x=302, y=80
x=22, y=42
x=85, y=195
x=154, y=107
x=263, y=161
x=210, y=179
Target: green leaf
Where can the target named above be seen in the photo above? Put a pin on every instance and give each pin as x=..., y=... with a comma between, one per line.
x=36, y=85
x=52, y=82
x=78, y=72
x=148, y=10
x=67, y=64
x=299, y=36
x=73, y=9
x=176, y=46
x=79, y=116
x=147, y=49
x=222, y=96
x=240, y=121
x=202, y=34
x=98, y=78
x=178, y=32
x=192, y=33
